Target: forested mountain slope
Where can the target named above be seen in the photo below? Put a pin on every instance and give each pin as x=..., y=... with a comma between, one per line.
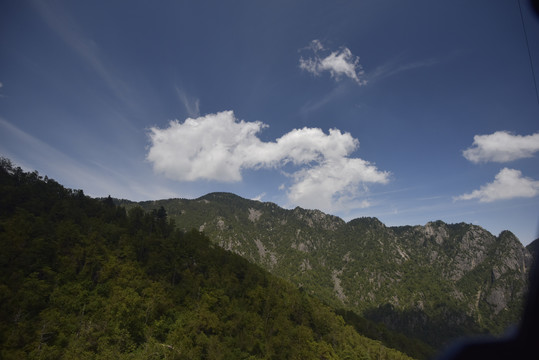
x=84, y=279
x=436, y=282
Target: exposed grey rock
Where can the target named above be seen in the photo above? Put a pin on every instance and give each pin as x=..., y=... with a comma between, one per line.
x=497, y=299
x=254, y=214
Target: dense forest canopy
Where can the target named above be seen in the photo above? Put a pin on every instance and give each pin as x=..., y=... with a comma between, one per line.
x=85, y=279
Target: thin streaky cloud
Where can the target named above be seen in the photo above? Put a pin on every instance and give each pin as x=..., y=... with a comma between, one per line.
x=38, y=155
x=393, y=67
x=312, y=106
x=39, y=152
x=191, y=104
x=432, y=197
x=67, y=29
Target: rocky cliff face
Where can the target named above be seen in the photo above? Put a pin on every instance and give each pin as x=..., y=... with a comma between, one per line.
x=436, y=282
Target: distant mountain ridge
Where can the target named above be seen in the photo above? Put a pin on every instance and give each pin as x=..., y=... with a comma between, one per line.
x=435, y=282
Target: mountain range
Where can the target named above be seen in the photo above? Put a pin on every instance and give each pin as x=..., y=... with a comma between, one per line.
x=436, y=282
x=177, y=278
x=84, y=279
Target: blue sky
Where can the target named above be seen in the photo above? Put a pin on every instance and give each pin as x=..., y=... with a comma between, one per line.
x=408, y=111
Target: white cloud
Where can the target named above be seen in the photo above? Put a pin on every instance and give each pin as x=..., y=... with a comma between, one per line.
x=259, y=197
x=339, y=63
x=507, y=184
x=218, y=147
x=335, y=184
x=501, y=146
x=315, y=45
x=211, y=147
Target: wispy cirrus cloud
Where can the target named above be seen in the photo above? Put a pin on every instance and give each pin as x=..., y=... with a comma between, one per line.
x=37, y=152
x=397, y=66
x=314, y=105
x=339, y=63
x=96, y=179
x=501, y=146
x=63, y=24
x=508, y=184
x=191, y=104
x=218, y=147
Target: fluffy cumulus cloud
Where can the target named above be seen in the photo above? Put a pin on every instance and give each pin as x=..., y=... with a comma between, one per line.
x=346, y=177
x=507, y=184
x=212, y=147
x=339, y=63
x=502, y=146
x=219, y=146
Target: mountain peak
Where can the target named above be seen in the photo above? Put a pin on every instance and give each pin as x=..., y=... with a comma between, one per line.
x=367, y=221
x=220, y=196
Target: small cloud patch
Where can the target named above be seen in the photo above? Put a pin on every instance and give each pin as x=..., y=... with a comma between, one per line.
x=508, y=184
x=502, y=146
x=340, y=63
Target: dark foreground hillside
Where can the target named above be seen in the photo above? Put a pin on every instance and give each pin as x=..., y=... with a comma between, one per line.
x=84, y=279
